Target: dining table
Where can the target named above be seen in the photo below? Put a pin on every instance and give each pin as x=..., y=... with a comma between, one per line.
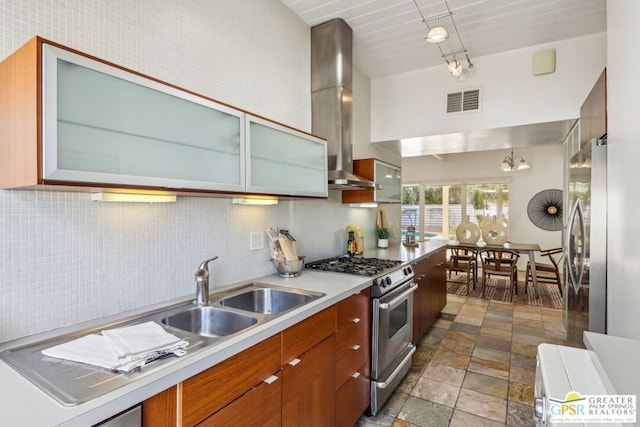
x=520, y=248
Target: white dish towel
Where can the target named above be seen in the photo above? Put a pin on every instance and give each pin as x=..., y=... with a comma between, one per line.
x=121, y=349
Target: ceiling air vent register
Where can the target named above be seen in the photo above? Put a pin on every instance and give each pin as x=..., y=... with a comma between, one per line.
x=468, y=100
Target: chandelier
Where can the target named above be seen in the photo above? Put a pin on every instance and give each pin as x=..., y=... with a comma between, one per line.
x=510, y=163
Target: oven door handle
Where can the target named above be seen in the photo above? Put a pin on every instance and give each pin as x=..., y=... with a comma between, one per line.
x=397, y=300
x=401, y=365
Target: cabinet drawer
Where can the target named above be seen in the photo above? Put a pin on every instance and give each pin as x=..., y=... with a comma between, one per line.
x=352, y=399
x=350, y=362
x=304, y=335
x=354, y=309
x=349, y=337
x=259, y=406
x=209, y=391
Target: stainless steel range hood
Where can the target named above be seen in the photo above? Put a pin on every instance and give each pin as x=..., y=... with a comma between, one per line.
x=331, y=85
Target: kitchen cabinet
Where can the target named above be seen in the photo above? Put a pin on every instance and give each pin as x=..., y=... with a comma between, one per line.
x=353, y=358
x=243, y=379
x=282, y=160
x=420, y=297
x=431, y=295
x=308, y=375
x=83, y=122
x=287, y=379
x=593, y=112
x=437, y=285
x=259, y=406
x=104, y=125
x=387, y=179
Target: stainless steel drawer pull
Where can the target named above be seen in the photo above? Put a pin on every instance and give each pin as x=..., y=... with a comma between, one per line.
x=356, y=375
x=356, y=347
x=356, y=320
x=294, y=362
x=272, y=379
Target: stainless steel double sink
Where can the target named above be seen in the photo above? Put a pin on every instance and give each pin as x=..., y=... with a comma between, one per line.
x=229, y=313
x=238, y=310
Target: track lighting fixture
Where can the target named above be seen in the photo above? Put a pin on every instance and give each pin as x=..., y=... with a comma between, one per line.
x=438, y=33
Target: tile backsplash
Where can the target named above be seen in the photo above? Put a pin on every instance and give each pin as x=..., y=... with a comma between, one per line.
x=65, y=259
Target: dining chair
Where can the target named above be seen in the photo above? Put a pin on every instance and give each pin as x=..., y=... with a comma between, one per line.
x=547, y=273
x=463, y=260
x=500, y=262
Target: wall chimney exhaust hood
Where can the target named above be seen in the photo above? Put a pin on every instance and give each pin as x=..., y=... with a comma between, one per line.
x=331, y=85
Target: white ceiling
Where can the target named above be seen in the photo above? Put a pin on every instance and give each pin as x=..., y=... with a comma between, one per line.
x=388, y=38
x=486, y=139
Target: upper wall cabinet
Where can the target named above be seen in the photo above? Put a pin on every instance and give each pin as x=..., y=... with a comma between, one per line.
x=104, y=125
x=282, y=160
x=387, y=178
x=70, y=119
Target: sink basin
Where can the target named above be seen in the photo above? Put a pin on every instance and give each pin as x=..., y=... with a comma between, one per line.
x=209, y=321
x=266, y=300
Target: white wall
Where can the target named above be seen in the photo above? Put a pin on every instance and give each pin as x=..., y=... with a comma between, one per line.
x=64, y=259
x=623, y=258
x=413, y=104
x=363, y=149
x=546, y=172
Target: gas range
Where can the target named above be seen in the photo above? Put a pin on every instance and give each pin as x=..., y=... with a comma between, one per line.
x=353, y=265
x=391, y=319
x=389, y=272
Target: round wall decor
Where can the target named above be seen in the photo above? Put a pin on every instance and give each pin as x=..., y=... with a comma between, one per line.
x=545, y=210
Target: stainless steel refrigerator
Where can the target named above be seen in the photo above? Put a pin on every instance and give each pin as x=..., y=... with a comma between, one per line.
x=586, y=240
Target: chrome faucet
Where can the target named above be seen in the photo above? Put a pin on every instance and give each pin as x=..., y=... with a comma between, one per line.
x=202, y=282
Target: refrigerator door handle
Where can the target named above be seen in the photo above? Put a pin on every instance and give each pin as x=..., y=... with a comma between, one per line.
x=576, y=272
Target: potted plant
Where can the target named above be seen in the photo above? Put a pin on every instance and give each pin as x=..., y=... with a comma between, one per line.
x=383, y=237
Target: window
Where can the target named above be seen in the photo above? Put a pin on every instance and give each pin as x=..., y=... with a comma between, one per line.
x=437, y=210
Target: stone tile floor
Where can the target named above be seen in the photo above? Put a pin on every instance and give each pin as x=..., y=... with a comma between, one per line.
x=476, y=365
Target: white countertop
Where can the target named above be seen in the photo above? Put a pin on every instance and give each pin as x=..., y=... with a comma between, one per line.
x=617, y=357
x=403, y=253
x=23, y=403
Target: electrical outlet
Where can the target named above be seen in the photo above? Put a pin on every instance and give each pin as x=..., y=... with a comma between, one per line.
x=256, y=240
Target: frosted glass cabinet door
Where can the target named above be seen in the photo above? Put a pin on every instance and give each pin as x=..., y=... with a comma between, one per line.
x=388, y=183
x=284, y=161
x=105, y=125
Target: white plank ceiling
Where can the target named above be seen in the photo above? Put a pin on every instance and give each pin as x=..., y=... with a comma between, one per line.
x=388, y=38
x=388, y=35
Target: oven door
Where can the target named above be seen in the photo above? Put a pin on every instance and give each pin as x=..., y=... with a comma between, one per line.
x=392, y=328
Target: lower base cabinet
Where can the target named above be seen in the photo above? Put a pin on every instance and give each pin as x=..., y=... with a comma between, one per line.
x=431, y=295
x=315, y=373
x=308, y=387
x=258, y=407
x=233, y=381
x=353, y=350
x=353, y=398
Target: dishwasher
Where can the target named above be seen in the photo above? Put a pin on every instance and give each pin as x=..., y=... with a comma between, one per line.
x=132, y=417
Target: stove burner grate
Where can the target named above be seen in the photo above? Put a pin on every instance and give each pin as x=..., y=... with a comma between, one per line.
x=353, y=265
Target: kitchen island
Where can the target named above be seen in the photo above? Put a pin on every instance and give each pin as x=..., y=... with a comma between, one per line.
x=23, y=403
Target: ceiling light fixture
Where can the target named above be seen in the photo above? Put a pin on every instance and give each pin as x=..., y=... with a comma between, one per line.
x=438, y=34
x=133, y=197
x=510, y=163
x=455, y=67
